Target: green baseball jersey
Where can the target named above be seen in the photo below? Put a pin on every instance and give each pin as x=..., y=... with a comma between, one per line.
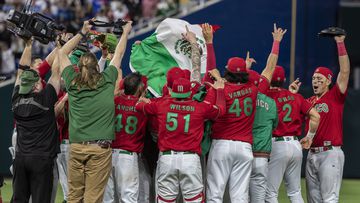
x=91, y=111
x=266, y=119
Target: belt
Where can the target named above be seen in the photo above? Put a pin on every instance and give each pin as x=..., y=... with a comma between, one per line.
x=123, y=152
x=321, y=149
x=65, y=141
x=169, y=152
x=285, y=138
x=102, y=143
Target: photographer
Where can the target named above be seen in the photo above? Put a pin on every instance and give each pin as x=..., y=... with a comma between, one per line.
x=91, y=117
x=37, y=135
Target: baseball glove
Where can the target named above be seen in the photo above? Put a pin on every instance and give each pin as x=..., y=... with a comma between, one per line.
x=332, y=32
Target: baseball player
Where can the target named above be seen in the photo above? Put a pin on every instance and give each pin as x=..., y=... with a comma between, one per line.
x=325, y=161
x=130, y=128
x=266, y=120
x=286, y=155
x=62, y=116
x=230, y=158
x=180, y=132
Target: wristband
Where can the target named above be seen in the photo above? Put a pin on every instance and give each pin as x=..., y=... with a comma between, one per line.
x=275, y=47
x=341, y=48
x=310, y=134
x=82, y=34
x=24, y=67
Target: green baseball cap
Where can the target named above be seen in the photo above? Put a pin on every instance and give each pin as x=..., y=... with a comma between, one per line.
x=75, y=56
x=28, y=78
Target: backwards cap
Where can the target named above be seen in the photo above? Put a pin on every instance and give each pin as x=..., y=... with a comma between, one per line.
x=278, y=75
x=236, y=65
x=325, y=72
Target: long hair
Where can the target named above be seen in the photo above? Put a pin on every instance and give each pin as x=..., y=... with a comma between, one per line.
x=89, y=75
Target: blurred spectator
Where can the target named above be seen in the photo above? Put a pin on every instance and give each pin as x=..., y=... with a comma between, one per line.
x=71, y=13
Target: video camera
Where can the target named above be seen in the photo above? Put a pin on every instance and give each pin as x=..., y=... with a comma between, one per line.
x=26, y=24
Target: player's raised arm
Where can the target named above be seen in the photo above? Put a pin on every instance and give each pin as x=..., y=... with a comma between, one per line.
x=343, y=77
x=278, y=34
x=195, y=55
x=71, y=44
x=25, y=60
x=120, y=48
x=210, y=59
x=55, y=77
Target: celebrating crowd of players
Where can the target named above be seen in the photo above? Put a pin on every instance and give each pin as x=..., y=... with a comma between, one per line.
x=103, y=120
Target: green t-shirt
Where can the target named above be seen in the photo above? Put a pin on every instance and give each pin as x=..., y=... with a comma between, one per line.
x=266, y=120
x=91, y=111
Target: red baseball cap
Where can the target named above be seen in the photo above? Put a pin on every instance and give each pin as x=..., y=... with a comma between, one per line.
x=325, y=72
x=173, y=74
x=181, y=88
x=236, y=65
x=254, y=77
x=278, y=75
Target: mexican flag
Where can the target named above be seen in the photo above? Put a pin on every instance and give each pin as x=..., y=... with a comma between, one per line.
x=165, y=49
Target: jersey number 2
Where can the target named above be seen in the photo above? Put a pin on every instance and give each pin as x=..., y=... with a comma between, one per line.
x=288, y=109
x=172, y=118
x=130, y=127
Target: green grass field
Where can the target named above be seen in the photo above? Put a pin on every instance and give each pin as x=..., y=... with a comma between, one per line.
x=350, y=192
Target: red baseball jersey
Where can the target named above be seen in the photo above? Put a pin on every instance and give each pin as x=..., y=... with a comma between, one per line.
x=330, y=107
x=130, y=125
x=63, y=119
x=292, y=109
x=181, y=123
x=237, y=122
x=263, y=85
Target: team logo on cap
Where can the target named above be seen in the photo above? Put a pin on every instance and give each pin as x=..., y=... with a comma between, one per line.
x=180, y=88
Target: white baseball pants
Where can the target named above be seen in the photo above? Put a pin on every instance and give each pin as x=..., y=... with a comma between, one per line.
x=123, y=183
x=258, y=180
x=324, y=172
x=285, y=162
x=62, y=163
x=229, y=161
x=179, y=170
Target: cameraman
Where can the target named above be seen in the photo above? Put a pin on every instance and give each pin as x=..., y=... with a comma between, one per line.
x=37, y=135
x=91, y=117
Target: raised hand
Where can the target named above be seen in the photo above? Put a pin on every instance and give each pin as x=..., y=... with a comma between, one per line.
x=86, y=26
x=249, y=61
x=189, y=36
x=340, y=38
x=306, y=142
x=215, y=74
x=278, y=33
x=207, y=31
x=295, y=86
x=127, y=27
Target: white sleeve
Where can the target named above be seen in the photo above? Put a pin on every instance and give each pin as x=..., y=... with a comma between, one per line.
x=101, y=64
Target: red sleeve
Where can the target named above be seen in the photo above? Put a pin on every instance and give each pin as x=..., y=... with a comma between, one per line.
x=336, y=93
x=305, y=105
x=211, y=96
x=44, y=68
x=146, y=108
x=210, y=62
x=214, y=111
x=264, y=85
